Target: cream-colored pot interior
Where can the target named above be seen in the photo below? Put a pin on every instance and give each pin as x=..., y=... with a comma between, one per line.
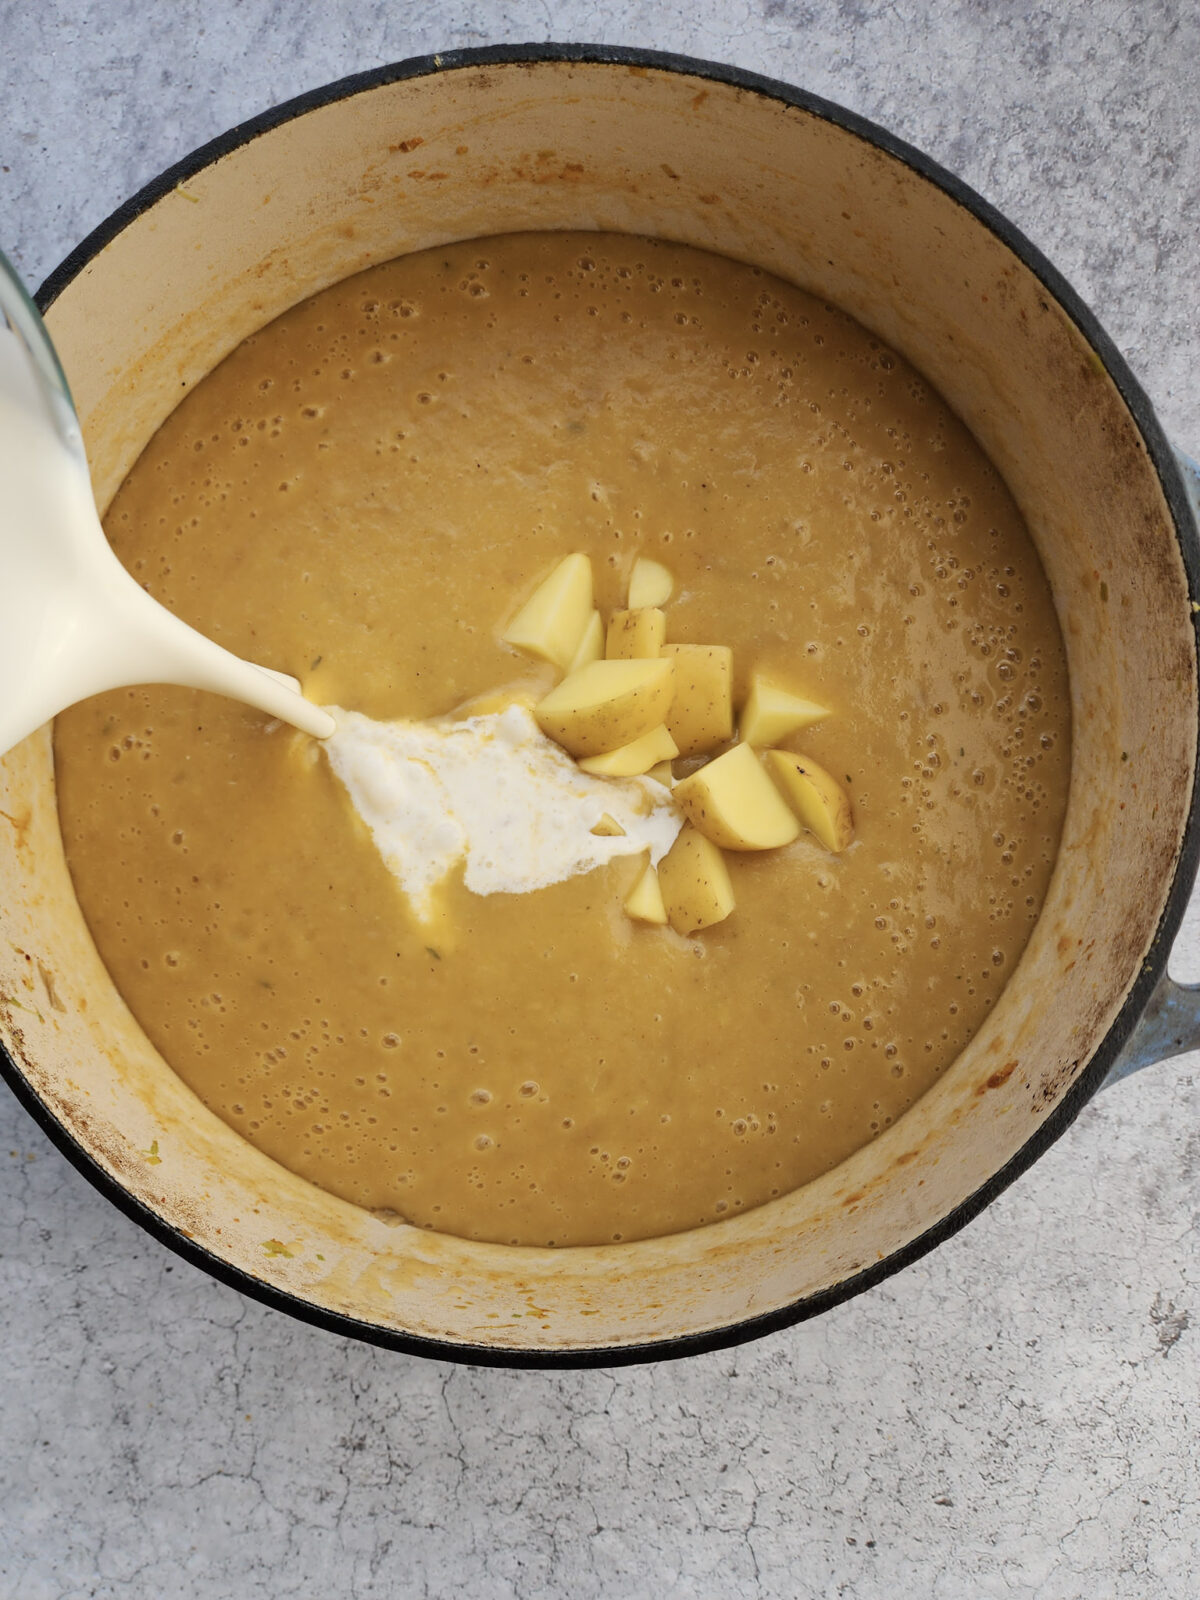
x=488, y=149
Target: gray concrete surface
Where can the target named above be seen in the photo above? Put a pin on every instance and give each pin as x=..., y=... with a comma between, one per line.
x=1014, y=1416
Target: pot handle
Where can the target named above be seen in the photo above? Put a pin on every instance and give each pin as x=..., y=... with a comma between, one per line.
x=1170, y=1024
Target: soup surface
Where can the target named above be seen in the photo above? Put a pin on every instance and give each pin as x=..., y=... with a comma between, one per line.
x=360, y=495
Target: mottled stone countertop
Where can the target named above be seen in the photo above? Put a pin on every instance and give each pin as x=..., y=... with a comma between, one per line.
x=1015, y=1415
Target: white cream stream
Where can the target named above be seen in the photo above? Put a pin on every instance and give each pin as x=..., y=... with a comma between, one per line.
x=493, y=793
x=73, y=621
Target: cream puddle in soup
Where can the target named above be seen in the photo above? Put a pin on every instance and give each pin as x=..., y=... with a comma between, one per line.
x=361, y=495
x=493, y=794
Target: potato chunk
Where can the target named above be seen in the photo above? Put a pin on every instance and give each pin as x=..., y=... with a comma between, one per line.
x=817, y=798
x=650, y=584
x=635, y=635
x=606, y=705
x=695, y=883
x=733, y=802
x=631, y=760
x=701, y=715
x=607, y=828
x=771, y=713
x=644, y=902
x=552, y=621
x=591, y=645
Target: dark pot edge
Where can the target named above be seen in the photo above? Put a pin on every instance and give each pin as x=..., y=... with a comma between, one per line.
x=1153, y=965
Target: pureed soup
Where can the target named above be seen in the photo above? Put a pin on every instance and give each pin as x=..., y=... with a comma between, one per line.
x=364, y=494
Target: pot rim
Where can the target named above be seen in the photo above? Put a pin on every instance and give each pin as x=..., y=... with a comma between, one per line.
x=1188, y=538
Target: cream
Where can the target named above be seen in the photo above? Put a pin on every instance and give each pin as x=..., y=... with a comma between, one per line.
x=493, y=793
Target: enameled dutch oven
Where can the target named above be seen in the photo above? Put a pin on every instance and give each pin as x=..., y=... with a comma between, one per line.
x=498, y=140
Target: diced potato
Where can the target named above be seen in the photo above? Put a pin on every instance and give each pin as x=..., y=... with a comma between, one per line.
x=733, y=802
x=771, y=713
x=607, y=828
x=817, y=798
x=662, y=772
x=631, y=760
x=701, y=715
x=591, y=646
x=635, y=634
x=650, y=584
x=644, y=903
x=552, y=621
x=607, y=704
x=695, y=883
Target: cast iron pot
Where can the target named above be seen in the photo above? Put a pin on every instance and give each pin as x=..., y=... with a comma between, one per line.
x=498, y=140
